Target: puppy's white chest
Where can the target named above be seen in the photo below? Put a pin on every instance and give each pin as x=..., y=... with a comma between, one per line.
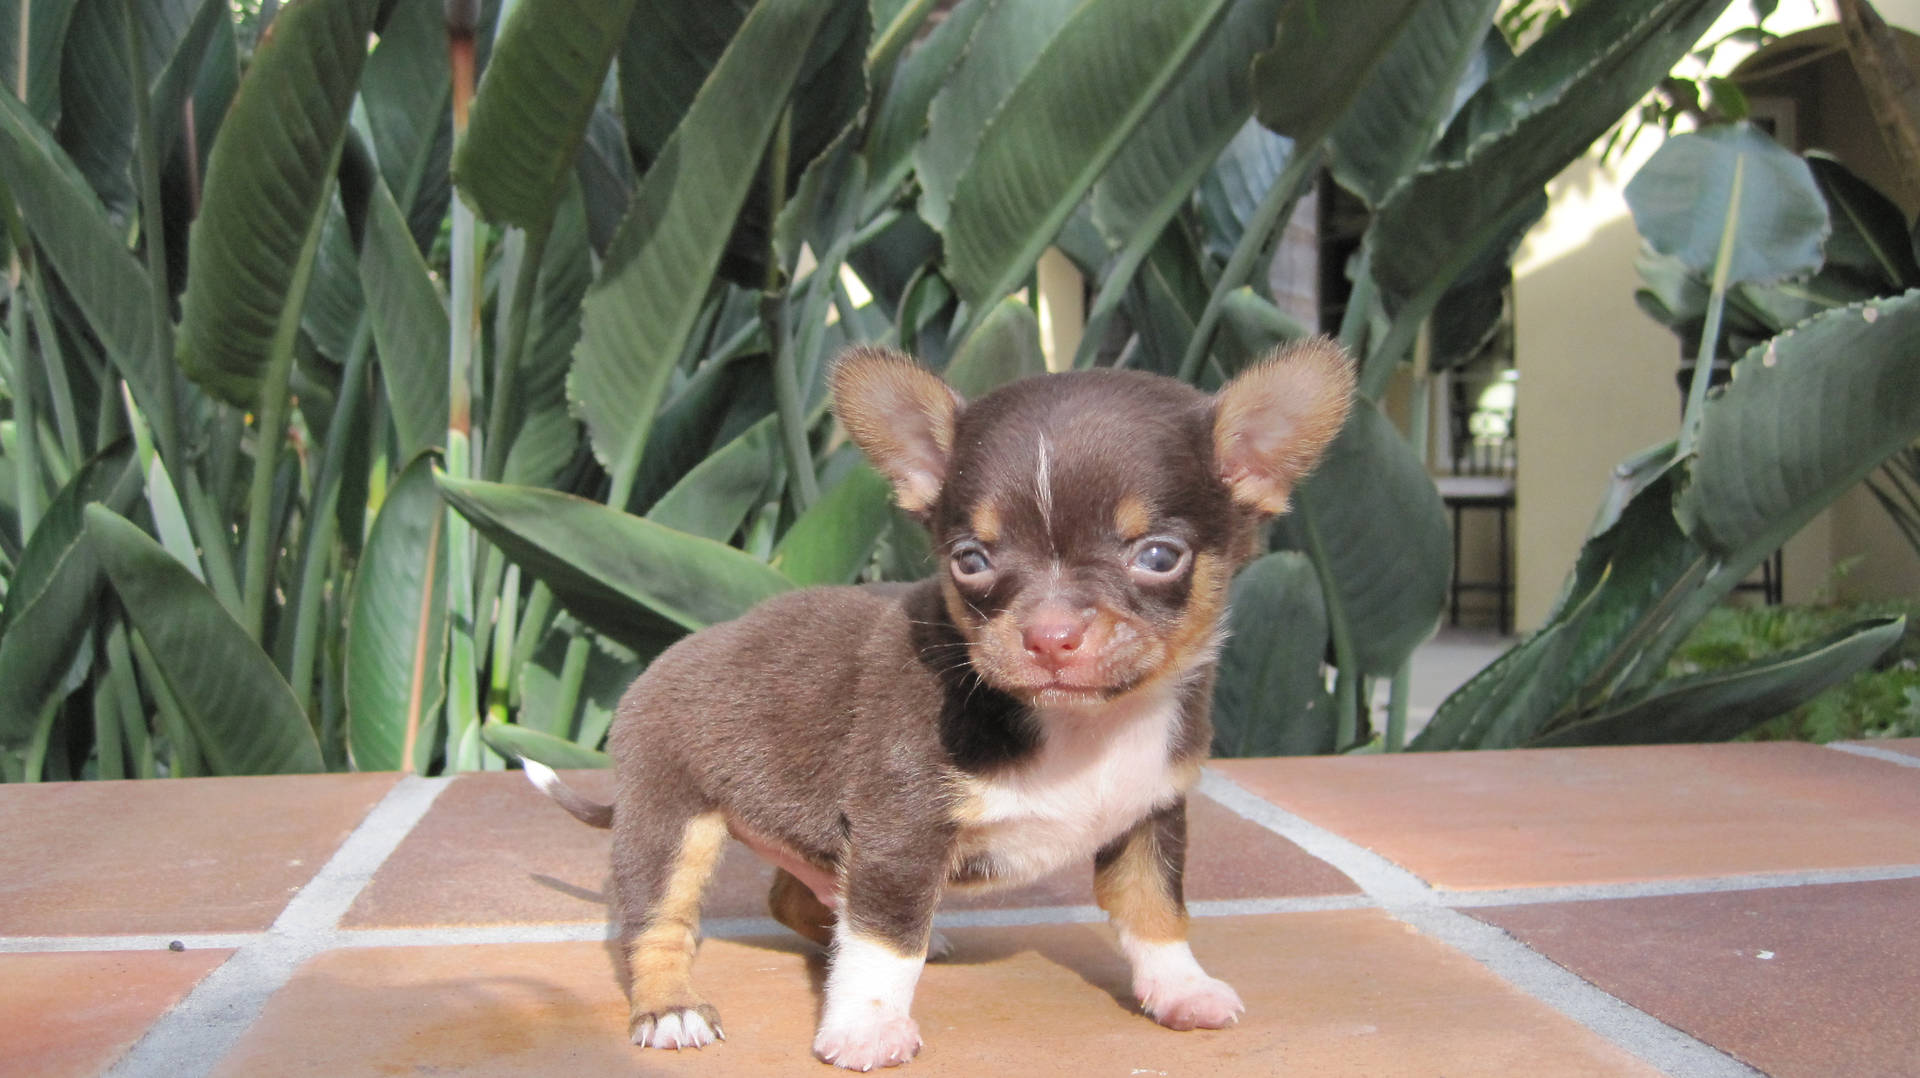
x=1095, y=777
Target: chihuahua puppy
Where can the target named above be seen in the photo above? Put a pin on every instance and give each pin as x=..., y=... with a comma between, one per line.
x=1042, y=700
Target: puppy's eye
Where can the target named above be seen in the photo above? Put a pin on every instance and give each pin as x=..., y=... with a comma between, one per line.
x=970, y=562
x=1158, y=557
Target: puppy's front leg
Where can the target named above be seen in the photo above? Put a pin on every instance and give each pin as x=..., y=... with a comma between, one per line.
x=1137, y=879
x=890, y=884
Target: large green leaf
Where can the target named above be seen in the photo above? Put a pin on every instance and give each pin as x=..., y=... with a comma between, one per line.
x=244, y=716
x=96, y=102
x=901, y=122
x=47, y=22
x=407, y=91
x=635, y=580
x=531, y=109
x=267, y=179
x=1622, y=591
x=833, y=540
x=1005, y=42
x=1809, y=414
x=666, y=54
x=1869, y=231
x=175, y=79
x=605, y=671
x=72, y=232
x=1400, y=112
x=1531, y=119
x=1177, y=142
x=511, y=739
x=1231, y=191
x=1681, y=198
x=51, y=592
x=1068, y=117
x=711, y=500
x=1723, y=704
x=397, y=629
x=409, y=322
x=1270, y=698
x=1003, y=347
x=1340, y=52
x=660, y=266
x=1384, y=529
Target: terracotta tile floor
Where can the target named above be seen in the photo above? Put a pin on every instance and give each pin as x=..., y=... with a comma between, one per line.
x=1689, y=910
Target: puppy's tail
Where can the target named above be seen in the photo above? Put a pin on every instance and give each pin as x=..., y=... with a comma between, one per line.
x=587, y=811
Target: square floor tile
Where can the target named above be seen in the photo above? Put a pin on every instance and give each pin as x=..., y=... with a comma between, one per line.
x=1349, y=992
x=74, y=1013
x=1531, y=817
x=494, y=850
x=1802, y=981
x=171, y=855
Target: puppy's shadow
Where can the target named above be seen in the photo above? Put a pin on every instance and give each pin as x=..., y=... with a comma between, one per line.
x=1102, y=968
x=571, y=890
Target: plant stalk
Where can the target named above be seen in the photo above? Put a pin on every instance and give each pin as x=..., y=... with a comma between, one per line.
x=323, y=522
x=153, y=233
x=1716, y=309
x=805, y=488
x=507, y=369
x=1346, y=686
x=1275, y=207
x=271, y=430
x=27, y=493
x=463, y=698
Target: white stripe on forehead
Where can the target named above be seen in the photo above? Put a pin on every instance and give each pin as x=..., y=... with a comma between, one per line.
x=1043, y=487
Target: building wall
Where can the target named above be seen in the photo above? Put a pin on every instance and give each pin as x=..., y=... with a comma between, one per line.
x=1597, y=378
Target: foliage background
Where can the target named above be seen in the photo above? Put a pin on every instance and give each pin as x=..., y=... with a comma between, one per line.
x=387, y=381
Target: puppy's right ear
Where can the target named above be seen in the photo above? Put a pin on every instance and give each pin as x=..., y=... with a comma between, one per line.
x=902, y=416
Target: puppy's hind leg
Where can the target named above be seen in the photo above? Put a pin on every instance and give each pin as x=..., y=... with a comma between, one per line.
x=660, y=868
x=794, y=904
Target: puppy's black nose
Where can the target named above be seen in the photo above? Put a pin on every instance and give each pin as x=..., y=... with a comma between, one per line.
x=1053, y=635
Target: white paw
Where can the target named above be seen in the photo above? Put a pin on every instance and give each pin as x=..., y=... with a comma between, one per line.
x=939, y=947
x=676, y=1029
x=887, y=1040
x=1201, y=1002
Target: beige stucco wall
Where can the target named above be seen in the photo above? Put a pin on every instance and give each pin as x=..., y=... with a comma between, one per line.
x=1597, y=384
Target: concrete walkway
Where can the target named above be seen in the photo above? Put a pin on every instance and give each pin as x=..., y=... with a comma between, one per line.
x=1692, y=910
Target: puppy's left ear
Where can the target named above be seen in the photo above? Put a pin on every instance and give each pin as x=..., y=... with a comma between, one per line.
x=902, y=415
x=1273, y=421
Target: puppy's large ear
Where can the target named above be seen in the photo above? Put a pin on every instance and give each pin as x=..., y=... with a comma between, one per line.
x=1272, y=422
x=902, y=415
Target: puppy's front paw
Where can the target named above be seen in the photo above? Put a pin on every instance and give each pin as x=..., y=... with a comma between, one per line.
x=677, y=1028
x=1190, y=1002
x=887, y=1040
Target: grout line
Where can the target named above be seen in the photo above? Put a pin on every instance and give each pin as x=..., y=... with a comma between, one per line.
x=467, y=935
x=1874, y=752
x=1703, y=885
x=1410, y=900
x=1003, y=917
x=1381, y=879
x=1672, y=1050
x=192, y=941
x=192, y=1037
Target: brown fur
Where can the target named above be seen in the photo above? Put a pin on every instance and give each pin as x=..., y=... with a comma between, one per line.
x=856, y=734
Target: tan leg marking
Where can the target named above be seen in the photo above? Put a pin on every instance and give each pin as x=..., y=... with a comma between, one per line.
x=1132, y=888
x=661, y=956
